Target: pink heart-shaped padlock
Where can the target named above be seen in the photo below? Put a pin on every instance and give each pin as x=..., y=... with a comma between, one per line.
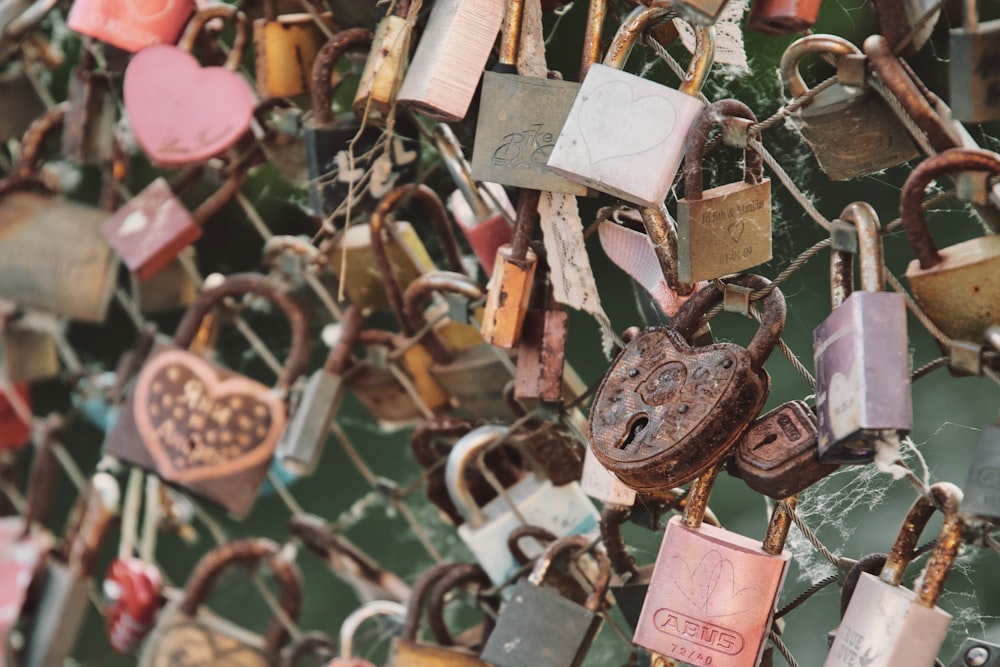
x=183, y=113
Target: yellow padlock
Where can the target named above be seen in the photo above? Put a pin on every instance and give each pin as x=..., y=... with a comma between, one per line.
x=285, y=47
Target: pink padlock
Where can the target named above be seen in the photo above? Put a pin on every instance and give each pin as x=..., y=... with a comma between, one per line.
x=131, y=24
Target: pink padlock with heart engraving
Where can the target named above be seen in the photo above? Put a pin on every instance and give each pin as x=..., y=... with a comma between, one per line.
x=131, y=24
x=180, y=112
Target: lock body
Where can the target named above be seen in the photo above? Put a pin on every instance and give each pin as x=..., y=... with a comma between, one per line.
x=150, y=230
x=385, y=398
x=508, y=297
x=711, y=597
x=302, y=442
x=778, y=456
x=68, y=236
x=520, y=118
x=19, y=103
x=15, y=431
x=631, y=152
x=476, y=379
x=384, y=69
x=418, y=654
x=885, y=626
x=783, y=17
x=29, y=354
x=862, y=378
x=982, y=493
x=974, y=78
x=284, y=52
x=853, y=133
x=131, y=25
x=59, y=617
x=727, y=231
x=89, y=126
x=541, y=356
x=961, y=294
x=170, y=288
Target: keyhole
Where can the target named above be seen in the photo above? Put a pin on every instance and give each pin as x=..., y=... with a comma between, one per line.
x=635, y=427
x=191, y=445
x=766, y=441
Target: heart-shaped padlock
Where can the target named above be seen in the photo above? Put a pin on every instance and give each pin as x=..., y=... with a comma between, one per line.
x=665, y=411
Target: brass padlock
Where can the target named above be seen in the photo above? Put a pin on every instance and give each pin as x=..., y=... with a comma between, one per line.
x=726, y=229
x=957, y=286
x=973, y=79
x=473, y=375
x=450, y=57
x=28, y=350
x=379, y=387
x=665, y=411
x=66, y=234
x=285, y=47
x=510, y=286
x=852, y=132
x=386, y=64
x=171, y=288
x=520, y=118
x=188, y=633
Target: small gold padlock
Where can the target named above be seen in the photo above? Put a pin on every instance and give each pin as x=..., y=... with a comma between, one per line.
x=285, y=47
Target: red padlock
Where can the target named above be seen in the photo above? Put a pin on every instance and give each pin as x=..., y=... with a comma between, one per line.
x=15, y=430
x=134, y=590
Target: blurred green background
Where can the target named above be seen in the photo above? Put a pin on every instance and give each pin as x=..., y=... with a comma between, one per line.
x=854, y=512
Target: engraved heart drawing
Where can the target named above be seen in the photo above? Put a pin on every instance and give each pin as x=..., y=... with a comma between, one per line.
x=735, y=231
x=614, y=123
x=199, y=427
x=180, y=112
x=710, y=586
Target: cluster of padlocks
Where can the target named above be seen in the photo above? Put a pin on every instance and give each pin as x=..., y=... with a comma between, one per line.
x=354, y=107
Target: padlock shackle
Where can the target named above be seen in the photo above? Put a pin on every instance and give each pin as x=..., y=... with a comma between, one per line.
x=439, y=217
x=228, y=13
x=510, y=37
x=943, y=495
x=461, y=172
x=911, y=198
x=697, y=500
x=416, y=296
x=772, y=322
x=313, y=642
x=524, y=224
x=326, y=62
x=251, y=553
x=25, y=172
x=423, y=437
x=871, y=564
x=215, y=201
x=865, y=221
x=662, y=232
x=418, y=597
x=339, y=359
x=461, y=575
x=464, y=454
x=579, y=544
x=537, y=533
x=943, y=557
x=597, y=10
x=697, y=140
x=372, y=609
x=779, y=525
x=622, y=561
x=916, y=99
x=239, y=284
x=791, y=78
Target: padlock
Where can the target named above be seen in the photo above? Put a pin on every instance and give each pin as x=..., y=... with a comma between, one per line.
x=726, y=229
x=907, y=24
x=28, y=350
x=887, y=625
x=368, y=579
x=180, y=112
x=469, y=581
x=449, y=60
x=631, y=151
x=485, y=226
x=778, y=456
x=665, y=411
x=862, y=380
x=203, y=427
x=171, y=288
x=541, y=353
x=65, y=599
x=563, y=510
x=385, y=66
x=520, y=118
x=431, y=454
x=153, y=227
x=976, y=653
x=783, y=17
x=700, y=12
x=407, y=650
x=538, y=626
x=982, y=492
x=131, y=25
x=553, y=443
x=954, y=286
x=378, y=385
x=15, y=425
x=281, y=124
x=349, y=628
x=285, y=47
x=315, y=644
x=851, y=130
x=303, y=440
x=134, y=588
x=65, y=233
x=474, y=376
x=186, y=632
x=20, y=104
x=510, y=286
x=90, y=119
x=335, y=179
x=713, y=592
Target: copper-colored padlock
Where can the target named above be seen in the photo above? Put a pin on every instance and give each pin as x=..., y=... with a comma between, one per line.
x=285, y=47
x=783, y=17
